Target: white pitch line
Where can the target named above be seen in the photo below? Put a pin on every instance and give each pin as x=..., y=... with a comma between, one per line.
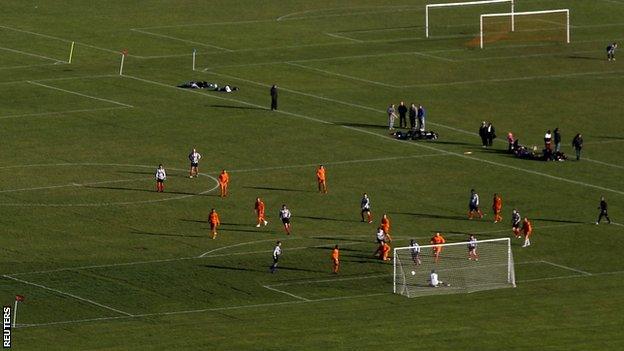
x=328, y=280
x=236, y=245
x=73, y=185
x=70, y=295
x=79, y=94
x=180, y=39
x=333, y=35
x=30, y=54
x=342, y=75
x=618, y=224
x=61, y=78
x=63, y=112
x=566, y=267
x=26, y=66
x=285, y=293
x=421, y=145
x=603, y=163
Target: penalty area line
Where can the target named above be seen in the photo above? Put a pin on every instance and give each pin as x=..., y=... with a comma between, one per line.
x=285, y=293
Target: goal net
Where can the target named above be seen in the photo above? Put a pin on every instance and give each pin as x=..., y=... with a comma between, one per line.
x=494, y=268
x=529, y=26
x=455, y=18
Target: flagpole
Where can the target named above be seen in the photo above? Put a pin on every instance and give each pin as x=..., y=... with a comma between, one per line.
x=15, y=314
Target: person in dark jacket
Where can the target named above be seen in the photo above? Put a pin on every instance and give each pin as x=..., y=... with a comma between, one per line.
x=412, y=116
x=402, y=109
x=483, y=133
x=557, y=139
x=490, y=134
x=274, y=97
x=603, y=210
x=577, y=143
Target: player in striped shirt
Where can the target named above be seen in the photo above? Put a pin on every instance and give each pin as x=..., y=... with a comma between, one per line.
x=365, y=205
x=277, y=252
x=160, y=175
x=284, y=215
x=516, y=219
x=472, y=248
x=414, y=249
x=194, y=157
x=473, y=205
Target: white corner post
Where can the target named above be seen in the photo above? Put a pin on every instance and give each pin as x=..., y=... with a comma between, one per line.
x=194, y=52
x=71, y=52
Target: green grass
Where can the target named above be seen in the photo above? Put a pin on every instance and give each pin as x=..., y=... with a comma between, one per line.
x=106, y=263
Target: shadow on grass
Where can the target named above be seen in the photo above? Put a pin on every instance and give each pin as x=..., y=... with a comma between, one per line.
x=276, y=189
x=140, y=232
x=231, y=268
x=239, y=107
x=329, y=219
x=143, y=190
x=428, y=215
x=342, y=239
x=363, y=125
x=193, y=220
x=556, y=220
x=579, y=57
x=444, y=142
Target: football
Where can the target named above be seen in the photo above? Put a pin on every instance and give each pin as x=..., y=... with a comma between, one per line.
x=413, y=272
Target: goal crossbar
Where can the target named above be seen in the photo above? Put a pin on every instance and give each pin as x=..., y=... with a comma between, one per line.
x=450, y=4
x=452, y=244
x=525, y=13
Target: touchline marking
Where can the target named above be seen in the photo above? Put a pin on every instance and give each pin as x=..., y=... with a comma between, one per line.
x=64, y=112
x=328, y=280
x=62, y=78
x=342, y=37
x=425, y=146
x=72, y=185
x=342, y=75
x=566, y=267
x=179, y=39
x=79, y=94
x=285, y=293
x=603, y=163
x=68, y=294
x=30, y=54
x=28, y=66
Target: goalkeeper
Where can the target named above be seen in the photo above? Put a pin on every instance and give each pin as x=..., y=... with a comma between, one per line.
x=434, y=281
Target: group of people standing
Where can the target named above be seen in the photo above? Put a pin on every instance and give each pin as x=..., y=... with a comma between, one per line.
x=487, y=133
x=416, y=116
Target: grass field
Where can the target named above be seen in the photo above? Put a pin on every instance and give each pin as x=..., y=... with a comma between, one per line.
x=106, y=263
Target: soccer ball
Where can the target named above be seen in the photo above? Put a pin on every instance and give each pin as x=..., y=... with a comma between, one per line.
x=413, y=272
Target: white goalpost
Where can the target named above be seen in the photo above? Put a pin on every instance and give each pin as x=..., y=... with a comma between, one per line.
x=526, y=13
x=469, y=3
x=494, y=268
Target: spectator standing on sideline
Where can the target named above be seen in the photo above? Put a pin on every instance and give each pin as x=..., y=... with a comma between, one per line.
x=611, y=51
x=557, y=139
x=510, y=140
x=420, y=113
x=548, y=140
x=412, y=117
x=577, y=142
x=603, y=211
x=274, y=97
x=391, y=116
x=402, y=109
x=483, y=133
x=490, y=134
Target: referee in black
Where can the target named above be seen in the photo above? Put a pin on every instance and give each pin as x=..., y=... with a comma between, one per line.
x=603, y=211
x=274, y=97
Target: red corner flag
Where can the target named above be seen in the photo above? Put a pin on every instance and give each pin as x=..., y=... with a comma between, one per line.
x=19, y=298
x=124, y=52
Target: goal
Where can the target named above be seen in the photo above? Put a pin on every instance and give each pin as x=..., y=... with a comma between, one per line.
x=532, y=25
x=469, y=3
x=493, y=270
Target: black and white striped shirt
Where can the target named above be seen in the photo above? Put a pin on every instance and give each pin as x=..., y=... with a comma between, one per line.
x=284, y=213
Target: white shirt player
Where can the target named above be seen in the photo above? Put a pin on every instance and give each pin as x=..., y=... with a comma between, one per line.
x=472, y=244
x=381, y=235
x=414, y=248
x=277, y=252
x=433, y=279
x=161, y=174
x=284, y=213
x=365, y=203
x=194, y=157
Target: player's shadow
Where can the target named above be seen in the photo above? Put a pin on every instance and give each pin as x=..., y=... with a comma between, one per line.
x=141, y=232
x=433, y=216
x=579, y=57
x=455, y=143
x=328, y=219
x=275, y=189
x=244, y=230
x=239, y=107
x=142, y=189
x=231, y=268
x=557, y=220
x=341, y=239
x=193, y=220
x=136, y=172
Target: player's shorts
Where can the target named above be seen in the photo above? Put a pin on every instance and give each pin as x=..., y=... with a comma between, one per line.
x=286, y=220
x=194, y=164
x=437, y=249
x=160, y=180
x=515, y=226
x=473, y=207
x=380, y=241
x=364, y=210
x=275, y=259
x=471, y=248
x=415, y=255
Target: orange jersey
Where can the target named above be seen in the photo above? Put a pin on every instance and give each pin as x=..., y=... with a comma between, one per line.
x=438, y=239
x=527, y=228
x=213, y=218
x=385, y=224
x=224, y=178
x=498, y=204
x=260, y=206
x=335, y=254
x=320, y=174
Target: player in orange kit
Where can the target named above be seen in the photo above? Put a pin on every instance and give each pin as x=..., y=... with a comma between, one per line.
x=436, y=240
x=224, y=180
x=385, y=225
x=213, y=219
x=259, y=207
x=385, y=251
x=527, y=230
x=335, y=259
x=497, y=206
x=320, y=178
